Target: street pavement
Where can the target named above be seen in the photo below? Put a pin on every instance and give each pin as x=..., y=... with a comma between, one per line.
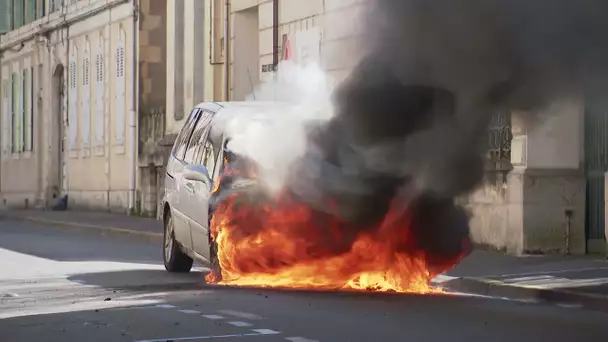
x=64, y=285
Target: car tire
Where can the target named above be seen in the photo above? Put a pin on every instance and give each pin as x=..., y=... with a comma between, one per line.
x=176, y=261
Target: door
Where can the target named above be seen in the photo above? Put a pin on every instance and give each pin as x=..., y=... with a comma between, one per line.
x=596, y=165
x=200, y=151
x=176, y=193
x=57, y=131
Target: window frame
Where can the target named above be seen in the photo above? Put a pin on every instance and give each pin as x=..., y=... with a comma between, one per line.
x=183, y=138
x=205, y=120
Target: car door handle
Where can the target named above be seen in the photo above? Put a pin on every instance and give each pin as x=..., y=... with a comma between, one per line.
x=189, y=187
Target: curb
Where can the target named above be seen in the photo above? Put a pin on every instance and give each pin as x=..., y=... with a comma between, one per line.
x=495, y=288
x=103, y=230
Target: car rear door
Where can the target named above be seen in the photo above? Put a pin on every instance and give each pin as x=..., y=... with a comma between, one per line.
x=197, y=207
x=178, y=197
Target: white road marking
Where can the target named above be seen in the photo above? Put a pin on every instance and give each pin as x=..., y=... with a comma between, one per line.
x=190, y=312
x=213, y=316
x=240, y=324
x=266, y=331
x=133, y=308
x=208, y=337
x=165, y=306
x=442, y=279
x=300, y=339
x=240, y=314
x=545, y=272
x=569, y=306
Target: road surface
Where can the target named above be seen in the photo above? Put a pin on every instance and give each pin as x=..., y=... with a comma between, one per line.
x=62, y=285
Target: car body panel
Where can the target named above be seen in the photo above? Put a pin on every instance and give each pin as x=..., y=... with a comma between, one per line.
x=188, y=200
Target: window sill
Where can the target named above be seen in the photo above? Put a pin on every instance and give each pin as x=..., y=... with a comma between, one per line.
x=99, y=151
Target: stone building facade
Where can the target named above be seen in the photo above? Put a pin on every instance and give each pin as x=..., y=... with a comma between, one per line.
x=77, y=78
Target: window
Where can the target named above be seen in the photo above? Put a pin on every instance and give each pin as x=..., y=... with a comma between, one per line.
x=199, y=135
x=181, y=142
x=209, y=157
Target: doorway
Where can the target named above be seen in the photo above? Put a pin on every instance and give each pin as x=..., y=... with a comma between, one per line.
x=57, y=182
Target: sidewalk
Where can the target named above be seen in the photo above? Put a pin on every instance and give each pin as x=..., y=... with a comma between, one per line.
x=102, y=222
x=566, y=280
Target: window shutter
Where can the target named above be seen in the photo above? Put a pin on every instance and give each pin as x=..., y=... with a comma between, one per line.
x=14, y=100
x=26, y=110
x=6, y=116
x=4, y=17
x=18, y=13
x=17, y=139
x=120, y=94
x=85, y=126
x=99, y=95
x=40, y=8
x=30, y=11
x=30, y=126
x=73, y=105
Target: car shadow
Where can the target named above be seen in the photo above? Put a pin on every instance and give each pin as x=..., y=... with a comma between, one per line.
x=144, y=280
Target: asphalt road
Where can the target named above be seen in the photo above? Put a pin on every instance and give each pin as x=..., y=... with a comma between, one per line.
x=60, y=285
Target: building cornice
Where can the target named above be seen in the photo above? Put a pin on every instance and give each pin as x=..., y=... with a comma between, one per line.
x=66, y=16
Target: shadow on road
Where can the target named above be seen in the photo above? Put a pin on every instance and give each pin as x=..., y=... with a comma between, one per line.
x=142, y=280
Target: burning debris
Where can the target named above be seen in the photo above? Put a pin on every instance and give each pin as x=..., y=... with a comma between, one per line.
x=357, y=191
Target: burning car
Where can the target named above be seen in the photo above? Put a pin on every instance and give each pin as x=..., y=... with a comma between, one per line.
x=218, y=210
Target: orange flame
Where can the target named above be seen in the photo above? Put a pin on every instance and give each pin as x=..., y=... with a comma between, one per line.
x=284, y=243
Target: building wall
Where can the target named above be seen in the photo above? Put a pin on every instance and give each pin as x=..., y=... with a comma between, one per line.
x=325, y=32
x=99, y=156
x=152, y=100
x=526, y=210
x=93, y=167
x=21, y=151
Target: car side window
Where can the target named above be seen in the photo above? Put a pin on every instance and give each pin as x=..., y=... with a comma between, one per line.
x=198, y=135
x=181, y=142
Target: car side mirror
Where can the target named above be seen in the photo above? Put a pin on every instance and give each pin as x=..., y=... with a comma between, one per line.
x=197, y=173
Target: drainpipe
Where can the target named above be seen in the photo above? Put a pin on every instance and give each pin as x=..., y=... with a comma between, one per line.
x=226, y=50
x=275, y=43
x=133, y=111
x=275, y=34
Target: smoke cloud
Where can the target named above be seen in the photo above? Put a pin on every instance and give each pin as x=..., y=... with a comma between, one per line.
x=410, y=122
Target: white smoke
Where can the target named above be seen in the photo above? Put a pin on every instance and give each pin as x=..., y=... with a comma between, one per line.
x=270, y=128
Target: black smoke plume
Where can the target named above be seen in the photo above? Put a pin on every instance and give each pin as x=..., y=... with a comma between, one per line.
x=412, y=117
x=411, y=120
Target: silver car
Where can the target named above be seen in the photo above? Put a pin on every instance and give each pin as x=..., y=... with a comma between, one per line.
x=194, y=166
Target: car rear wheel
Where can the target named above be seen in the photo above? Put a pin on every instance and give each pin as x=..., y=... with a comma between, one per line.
x=175, y=260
